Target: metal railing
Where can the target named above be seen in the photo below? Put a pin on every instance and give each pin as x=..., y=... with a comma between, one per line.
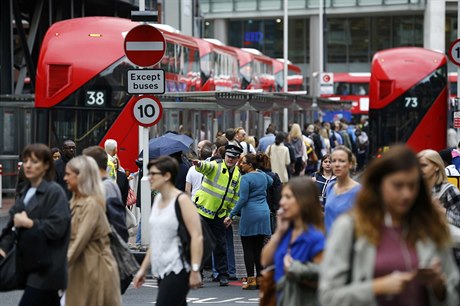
x=229, y=6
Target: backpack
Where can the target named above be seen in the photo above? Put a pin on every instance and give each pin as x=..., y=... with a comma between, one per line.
x=209, y=241
x=274, y=192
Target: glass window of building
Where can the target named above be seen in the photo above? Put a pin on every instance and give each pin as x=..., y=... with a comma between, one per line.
x=338, y=38
x=407, y=31
x=358, y=50
x=380, y=34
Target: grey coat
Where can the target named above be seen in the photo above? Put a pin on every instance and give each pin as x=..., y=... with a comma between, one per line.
x=333, y=289
x=290, y=289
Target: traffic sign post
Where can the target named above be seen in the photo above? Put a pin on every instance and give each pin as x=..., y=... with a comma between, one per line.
x=144, y=45
x=456, y=120
x=326, y=86
x=454, y=56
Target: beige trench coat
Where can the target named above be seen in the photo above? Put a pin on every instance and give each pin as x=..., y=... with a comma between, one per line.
x=93, y=272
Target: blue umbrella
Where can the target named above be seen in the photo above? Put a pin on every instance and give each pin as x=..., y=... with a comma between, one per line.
x=168, y=144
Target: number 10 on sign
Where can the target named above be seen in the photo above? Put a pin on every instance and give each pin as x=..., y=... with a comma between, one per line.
x=147, y=110
x=454, y=52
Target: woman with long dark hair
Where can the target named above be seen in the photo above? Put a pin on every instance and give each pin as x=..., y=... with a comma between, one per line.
x=394, y=247
x=176, y=275
x=41, y=213
x=297, y=241
x=323, y=177
x=255, y=215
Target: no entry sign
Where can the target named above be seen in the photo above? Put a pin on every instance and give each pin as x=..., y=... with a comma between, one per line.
x=144, y=45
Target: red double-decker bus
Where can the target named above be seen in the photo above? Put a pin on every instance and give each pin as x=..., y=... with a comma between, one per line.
x=219, y=66
x=256, y=70
x=408, y=99
x=352, y=86
x=82, y=77
x=295, y=78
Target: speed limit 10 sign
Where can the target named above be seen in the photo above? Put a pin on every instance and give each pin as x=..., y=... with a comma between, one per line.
x=147, y=110
x=454, y=52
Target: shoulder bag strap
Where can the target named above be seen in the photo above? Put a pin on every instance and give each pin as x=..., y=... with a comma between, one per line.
x=178, y=211
x=352, y=253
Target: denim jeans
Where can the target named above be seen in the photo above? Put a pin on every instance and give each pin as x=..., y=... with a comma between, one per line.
x=138, y=235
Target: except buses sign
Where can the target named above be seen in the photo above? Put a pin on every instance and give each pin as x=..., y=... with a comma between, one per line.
x=144, y=45
x=146, y=81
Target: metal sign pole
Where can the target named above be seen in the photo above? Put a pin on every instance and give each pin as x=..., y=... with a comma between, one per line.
x=457, y=106
x=146, y=196
x=285, y=64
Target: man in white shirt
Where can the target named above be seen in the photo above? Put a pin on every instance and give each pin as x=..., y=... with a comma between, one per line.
x=194, y=178
x=240, y=136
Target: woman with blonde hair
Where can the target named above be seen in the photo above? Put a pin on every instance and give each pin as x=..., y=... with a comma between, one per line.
x=341, y=193
x=448, y=195
x=93, y=271
x=393, y=248
x=300, y=150
x=445, y=195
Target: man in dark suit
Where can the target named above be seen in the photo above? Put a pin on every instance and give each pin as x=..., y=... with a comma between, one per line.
x=69, y=150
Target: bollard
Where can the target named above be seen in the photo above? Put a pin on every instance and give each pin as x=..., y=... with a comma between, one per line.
x=1, y=187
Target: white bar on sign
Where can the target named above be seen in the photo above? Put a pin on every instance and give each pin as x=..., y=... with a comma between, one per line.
x=144, y=46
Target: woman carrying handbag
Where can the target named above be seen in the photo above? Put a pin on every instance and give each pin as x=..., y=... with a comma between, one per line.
x=297, y=244
x=41, y=219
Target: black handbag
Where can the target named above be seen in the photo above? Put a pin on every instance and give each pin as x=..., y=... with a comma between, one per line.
x=209, y=241
x=12, y=277
x=127, y=263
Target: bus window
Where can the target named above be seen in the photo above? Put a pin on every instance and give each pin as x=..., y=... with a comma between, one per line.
x=342, y=89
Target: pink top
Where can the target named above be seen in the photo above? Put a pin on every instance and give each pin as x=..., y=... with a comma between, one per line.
x=394, y=254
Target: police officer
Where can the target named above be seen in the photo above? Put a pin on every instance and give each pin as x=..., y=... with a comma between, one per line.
x=216, y=198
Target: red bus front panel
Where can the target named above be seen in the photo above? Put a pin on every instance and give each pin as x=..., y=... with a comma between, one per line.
x=408, y=99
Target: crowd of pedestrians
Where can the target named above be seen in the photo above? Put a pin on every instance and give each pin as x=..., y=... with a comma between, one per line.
x=328, y=236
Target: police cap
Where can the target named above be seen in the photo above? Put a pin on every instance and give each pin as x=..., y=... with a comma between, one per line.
x=233, y=151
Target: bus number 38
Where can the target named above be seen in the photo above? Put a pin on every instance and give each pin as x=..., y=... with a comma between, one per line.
x=95, y=98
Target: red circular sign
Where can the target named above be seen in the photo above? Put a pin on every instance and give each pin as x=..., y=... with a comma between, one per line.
x=454, y=52
x=144, y=45
x=326, y=78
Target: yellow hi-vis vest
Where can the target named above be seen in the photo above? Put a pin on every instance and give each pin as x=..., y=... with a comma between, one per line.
x=219, y=189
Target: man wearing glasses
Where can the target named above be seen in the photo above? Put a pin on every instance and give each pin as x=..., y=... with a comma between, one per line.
x=216, y=198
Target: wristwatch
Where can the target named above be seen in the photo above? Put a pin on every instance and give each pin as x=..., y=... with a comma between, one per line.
x=195, y=267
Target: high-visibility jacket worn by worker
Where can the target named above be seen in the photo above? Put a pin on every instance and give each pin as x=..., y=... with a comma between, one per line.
x=219, y=189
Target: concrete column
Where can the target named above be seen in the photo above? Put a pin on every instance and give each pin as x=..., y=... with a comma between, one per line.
x=220, y=30
x=172, y=13
x=314, y=56
x=434, y=25
x=180, y=15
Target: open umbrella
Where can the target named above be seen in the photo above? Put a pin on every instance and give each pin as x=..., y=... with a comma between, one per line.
x=168, y=144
